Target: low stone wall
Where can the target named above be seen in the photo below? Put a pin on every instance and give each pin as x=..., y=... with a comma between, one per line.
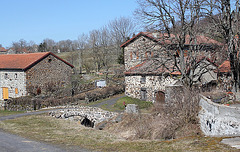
x=218, y=120
x=93, y=114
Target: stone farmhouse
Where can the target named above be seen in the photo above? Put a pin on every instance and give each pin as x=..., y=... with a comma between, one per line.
x=146, y=79
x=23, y=74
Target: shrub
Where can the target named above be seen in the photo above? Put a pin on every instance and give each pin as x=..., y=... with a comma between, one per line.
x=166, y=121
x=105, y=92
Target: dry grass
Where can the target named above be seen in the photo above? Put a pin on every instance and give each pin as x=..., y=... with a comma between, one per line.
x=166, y=128
x=176, y=119
x=6, y=112
x=69, y=133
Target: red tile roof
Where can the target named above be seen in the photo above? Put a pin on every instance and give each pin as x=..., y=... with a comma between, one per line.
x=166, y=39
x=25, y=61
x=154, y=67
x=176, y=73
x=2, y=49
x=225, y=67
x=149, y=67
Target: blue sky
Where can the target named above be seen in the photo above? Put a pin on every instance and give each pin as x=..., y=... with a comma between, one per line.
x=57, y=19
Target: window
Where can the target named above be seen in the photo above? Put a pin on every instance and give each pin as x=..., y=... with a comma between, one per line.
x=143, y=80
x=148, y=54
x=143, y=94
x=6, y=76
x=49, y=60
x=135, y=55
x=15, y=76
x=16, y=90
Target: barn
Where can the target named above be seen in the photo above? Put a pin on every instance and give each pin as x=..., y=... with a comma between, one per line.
x=24, y=74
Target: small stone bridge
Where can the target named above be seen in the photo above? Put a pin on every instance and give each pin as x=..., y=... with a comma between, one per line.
x=88, y=116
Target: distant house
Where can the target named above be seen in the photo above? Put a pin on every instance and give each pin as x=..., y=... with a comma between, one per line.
x=149, y=66
x=11, y=51
x=22, y=74
x=3, y=50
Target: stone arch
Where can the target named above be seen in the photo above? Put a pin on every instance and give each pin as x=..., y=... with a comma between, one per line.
x=87, y=123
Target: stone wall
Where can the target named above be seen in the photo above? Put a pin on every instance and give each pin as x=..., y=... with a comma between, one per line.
x=94, y=114
x=49, y=72
x=152, y=85
x=15, y=81
x=143, y=48
x=173, y=93
x=138, y=51
x=219, y=120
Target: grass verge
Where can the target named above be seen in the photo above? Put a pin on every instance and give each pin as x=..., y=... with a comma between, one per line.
x=6, y=112
x=128, y=100
x=70, y=133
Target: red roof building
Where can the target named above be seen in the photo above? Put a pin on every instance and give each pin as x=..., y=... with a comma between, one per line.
x=24, y=74
x=25, y=61
x=2, y=50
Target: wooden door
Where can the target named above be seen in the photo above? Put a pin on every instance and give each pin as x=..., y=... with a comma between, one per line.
x=160, y=97
x=5, y=93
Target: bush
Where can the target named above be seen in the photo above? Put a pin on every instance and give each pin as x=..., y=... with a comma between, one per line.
x=167, y=121
x=105, y=92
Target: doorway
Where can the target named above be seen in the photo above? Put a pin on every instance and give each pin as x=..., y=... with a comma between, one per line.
x=5, y=93
x=160, y=97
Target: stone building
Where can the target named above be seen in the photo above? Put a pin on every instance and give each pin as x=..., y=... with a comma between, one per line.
x=147, y=81
x=148, y=59
x=23, y=74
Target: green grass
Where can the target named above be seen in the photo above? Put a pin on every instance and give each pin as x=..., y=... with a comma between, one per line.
x=70, y=133
x=128, y=100
x=102, y=100
x=118, y=106
x=6, y=112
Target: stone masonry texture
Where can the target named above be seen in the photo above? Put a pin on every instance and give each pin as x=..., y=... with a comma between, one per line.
x=49, y=71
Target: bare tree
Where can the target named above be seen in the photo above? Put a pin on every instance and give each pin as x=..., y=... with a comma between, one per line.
x=50, y=45
x=94, y=45
x=178, y=19
x=65, y=45
x=20, y=46
x=225, y=23
x=120, y=30
x=81, y=46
